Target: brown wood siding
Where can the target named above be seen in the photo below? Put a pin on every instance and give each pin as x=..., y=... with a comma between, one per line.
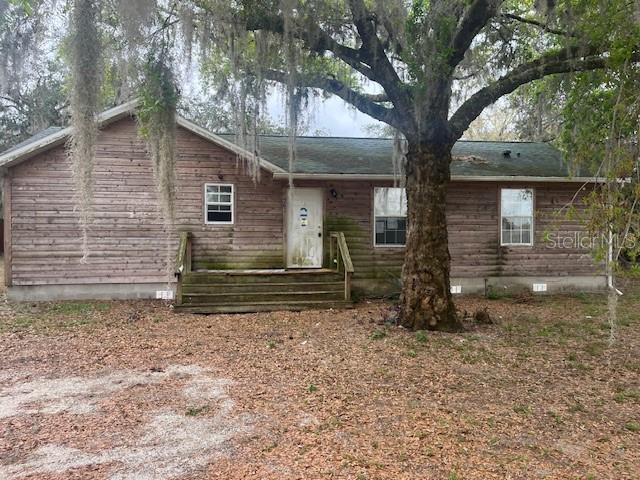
x=127, y=239
x=128, y=242
x=6, y=215
x=474, y=236
x=551, y=220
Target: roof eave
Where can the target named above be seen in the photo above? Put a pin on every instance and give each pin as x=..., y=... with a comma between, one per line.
x=60, y=137
x=457, y=178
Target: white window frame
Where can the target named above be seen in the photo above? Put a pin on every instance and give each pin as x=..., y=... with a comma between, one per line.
x=533, y=209
x=375, y=243
x=232, y=203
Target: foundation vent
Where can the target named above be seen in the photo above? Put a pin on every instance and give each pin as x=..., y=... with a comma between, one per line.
x=539, y=287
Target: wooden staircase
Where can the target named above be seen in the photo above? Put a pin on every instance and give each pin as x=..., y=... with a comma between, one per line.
x=237, y=291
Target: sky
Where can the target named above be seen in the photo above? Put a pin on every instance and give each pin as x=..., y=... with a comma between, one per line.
x=327, y=117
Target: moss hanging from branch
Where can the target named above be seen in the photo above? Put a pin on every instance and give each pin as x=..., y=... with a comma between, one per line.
x=86, y=78
x=243, y=59
x=247, y=93
x=399, y=158
x=134, y=16
x=187, y=28
x=157, y=125
x=292, y=97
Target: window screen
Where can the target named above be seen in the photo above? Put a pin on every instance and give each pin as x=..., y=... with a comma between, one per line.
x=390, y=211
x=218, y=202
x=516, y=216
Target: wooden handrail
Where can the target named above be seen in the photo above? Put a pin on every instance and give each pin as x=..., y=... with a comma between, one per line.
x=343, y=252
x=183, y=262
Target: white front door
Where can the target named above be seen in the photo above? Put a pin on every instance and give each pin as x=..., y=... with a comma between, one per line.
x=304, y=228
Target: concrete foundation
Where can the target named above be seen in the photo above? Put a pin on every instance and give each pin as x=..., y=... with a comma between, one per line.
x=507, y=285
x=475, y=286
x=105, y=291
x=499, y=285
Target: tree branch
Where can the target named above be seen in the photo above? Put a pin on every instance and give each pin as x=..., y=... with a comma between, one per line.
x=374, y=54
x=370, y=59
x=315, y=39
x=573, y=59
x=536, y=23
x=392, y=36
x=474, y=19
x=376, y=97
x=367, y=104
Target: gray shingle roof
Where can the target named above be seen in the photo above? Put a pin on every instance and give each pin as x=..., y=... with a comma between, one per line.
x=339, y=155
x=372, y=156
x=34, y=138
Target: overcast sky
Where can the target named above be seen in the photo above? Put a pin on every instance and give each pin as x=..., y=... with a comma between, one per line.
x=332, y=117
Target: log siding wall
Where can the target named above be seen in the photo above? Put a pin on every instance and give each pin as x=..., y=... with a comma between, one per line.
x=473, y=216
x=127, y=238
x=129, y=244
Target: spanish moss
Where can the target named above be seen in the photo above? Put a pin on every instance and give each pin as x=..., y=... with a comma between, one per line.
x=134, y=16
x=157, y=125
x=399, y=158
x=292, y=97
x=86, y=80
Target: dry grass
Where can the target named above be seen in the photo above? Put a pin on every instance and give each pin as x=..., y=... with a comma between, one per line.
x=320, y=394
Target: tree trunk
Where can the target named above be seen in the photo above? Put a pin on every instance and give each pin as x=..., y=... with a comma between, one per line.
x=426, y=291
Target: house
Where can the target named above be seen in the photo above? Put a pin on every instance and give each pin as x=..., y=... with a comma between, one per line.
x=245, y=245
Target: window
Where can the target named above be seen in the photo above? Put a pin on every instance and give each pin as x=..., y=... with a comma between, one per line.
x=516, y=216
x=390, y=211
x=218, y=203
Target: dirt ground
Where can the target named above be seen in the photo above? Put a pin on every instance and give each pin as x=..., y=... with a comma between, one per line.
x=132, y=390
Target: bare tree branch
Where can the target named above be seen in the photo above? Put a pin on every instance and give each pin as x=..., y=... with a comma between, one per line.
x=367, y=104
x=574, y=59
x=377, y=97
x=372, y=50
x=542, y=26
x=315, y=39
x=475, y=18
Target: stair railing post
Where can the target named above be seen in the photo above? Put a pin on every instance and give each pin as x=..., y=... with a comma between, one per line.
x=347, y=285
x=188, y=253
x=331, y=259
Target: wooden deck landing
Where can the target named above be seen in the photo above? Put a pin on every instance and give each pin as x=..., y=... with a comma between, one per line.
x=258, y=290
x=263, y=290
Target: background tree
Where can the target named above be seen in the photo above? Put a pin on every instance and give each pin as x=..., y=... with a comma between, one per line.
x=31, y=84
x=32, y=106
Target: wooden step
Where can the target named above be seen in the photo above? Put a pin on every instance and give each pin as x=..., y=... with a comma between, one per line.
x=192, y=288
x=263, y=307
x=259, y=297
x=231, y=291
x=212, y=277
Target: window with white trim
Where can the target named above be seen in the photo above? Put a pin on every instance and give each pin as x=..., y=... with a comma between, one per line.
x=218, y=203
x=390, y=216
x=516, y=216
